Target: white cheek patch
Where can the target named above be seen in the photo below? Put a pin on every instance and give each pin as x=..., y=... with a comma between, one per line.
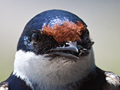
x=36, y=69
x=112, y=78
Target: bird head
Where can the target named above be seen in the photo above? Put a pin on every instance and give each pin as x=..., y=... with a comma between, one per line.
x=56, y=33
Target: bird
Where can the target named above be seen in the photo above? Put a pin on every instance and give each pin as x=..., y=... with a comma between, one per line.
x=55, y=52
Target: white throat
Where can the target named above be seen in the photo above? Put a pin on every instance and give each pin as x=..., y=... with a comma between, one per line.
x=40, y=71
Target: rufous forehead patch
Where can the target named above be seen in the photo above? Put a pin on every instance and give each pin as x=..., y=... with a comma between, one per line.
x=67, y=31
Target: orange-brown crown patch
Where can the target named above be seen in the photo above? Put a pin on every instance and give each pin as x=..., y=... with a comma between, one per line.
x=68, y=31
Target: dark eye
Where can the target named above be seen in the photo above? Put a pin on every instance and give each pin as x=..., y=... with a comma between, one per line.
x=35, y=37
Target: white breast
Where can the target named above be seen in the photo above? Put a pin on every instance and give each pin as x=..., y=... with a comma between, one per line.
x=36, y=69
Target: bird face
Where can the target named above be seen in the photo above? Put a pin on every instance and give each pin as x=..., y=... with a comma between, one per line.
x=64, y=39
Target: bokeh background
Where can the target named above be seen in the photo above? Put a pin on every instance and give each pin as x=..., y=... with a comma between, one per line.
x=101, y=16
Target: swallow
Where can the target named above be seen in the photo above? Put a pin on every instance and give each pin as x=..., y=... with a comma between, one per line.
x=55, y=52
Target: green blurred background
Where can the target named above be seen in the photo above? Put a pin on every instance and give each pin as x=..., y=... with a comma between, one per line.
x=101, y=16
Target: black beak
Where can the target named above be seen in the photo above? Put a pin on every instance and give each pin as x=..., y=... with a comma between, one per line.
x=70, y=50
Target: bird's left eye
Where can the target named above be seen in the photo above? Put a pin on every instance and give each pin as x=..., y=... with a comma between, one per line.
x=35, y=37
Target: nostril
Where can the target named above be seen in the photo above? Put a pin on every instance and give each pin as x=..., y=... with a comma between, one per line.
x=67, y=45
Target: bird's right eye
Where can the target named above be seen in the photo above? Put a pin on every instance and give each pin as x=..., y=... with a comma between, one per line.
x=34, y=37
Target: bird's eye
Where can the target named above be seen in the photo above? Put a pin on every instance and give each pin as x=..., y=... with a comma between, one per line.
x=35, y=37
